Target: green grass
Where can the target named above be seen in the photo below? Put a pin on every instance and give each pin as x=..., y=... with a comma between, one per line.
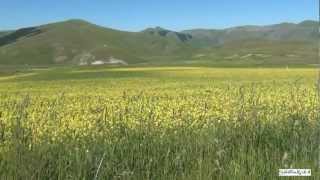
x=158, y=123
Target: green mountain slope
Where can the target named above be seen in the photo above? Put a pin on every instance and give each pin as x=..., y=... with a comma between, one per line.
x=78, y=42
x=304, y=31
x=285, y=43
x=4, y=33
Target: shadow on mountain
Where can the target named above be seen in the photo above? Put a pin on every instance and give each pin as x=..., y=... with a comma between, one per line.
x=184, y=37
x=14, y=36
x=165, y=33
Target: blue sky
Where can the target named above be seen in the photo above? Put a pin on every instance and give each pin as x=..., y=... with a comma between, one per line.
x=135, y=15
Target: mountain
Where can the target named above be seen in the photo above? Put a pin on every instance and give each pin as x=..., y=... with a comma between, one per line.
x=161, y=32
x=80, y=42
x=77, y=42
x=304, y=31
x=3, y=33
x=279, y=44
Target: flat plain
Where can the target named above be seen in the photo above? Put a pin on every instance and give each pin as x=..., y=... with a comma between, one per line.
x=158, y=122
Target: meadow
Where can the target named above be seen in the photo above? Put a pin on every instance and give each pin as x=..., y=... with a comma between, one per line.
x=158, y=123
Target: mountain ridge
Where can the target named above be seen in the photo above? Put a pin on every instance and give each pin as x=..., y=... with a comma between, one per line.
x=83, y=43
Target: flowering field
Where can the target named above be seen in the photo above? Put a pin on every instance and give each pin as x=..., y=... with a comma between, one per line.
x=158, y=123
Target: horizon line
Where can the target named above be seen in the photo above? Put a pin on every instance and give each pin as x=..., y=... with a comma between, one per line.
x=146, y=27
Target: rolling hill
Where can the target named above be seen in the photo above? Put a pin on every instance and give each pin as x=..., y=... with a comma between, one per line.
x=80, y=42
x=4, y=33
x=279, y=44
x=304, y=31
x=77, y=42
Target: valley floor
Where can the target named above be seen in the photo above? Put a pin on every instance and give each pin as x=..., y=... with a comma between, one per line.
x=158, y=123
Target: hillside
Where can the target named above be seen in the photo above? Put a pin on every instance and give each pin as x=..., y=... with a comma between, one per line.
x=3, y=33
x=304, y=31
x=279, y=44
x=79, y=42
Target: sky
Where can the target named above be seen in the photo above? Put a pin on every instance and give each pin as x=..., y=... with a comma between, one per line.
x=136, y=15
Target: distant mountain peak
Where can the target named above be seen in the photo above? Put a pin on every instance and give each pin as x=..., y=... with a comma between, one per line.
x=162, y=32
x=159, y=28
x=71, y=22
x=155, y=30
x=309, y=23
x=77, y=21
